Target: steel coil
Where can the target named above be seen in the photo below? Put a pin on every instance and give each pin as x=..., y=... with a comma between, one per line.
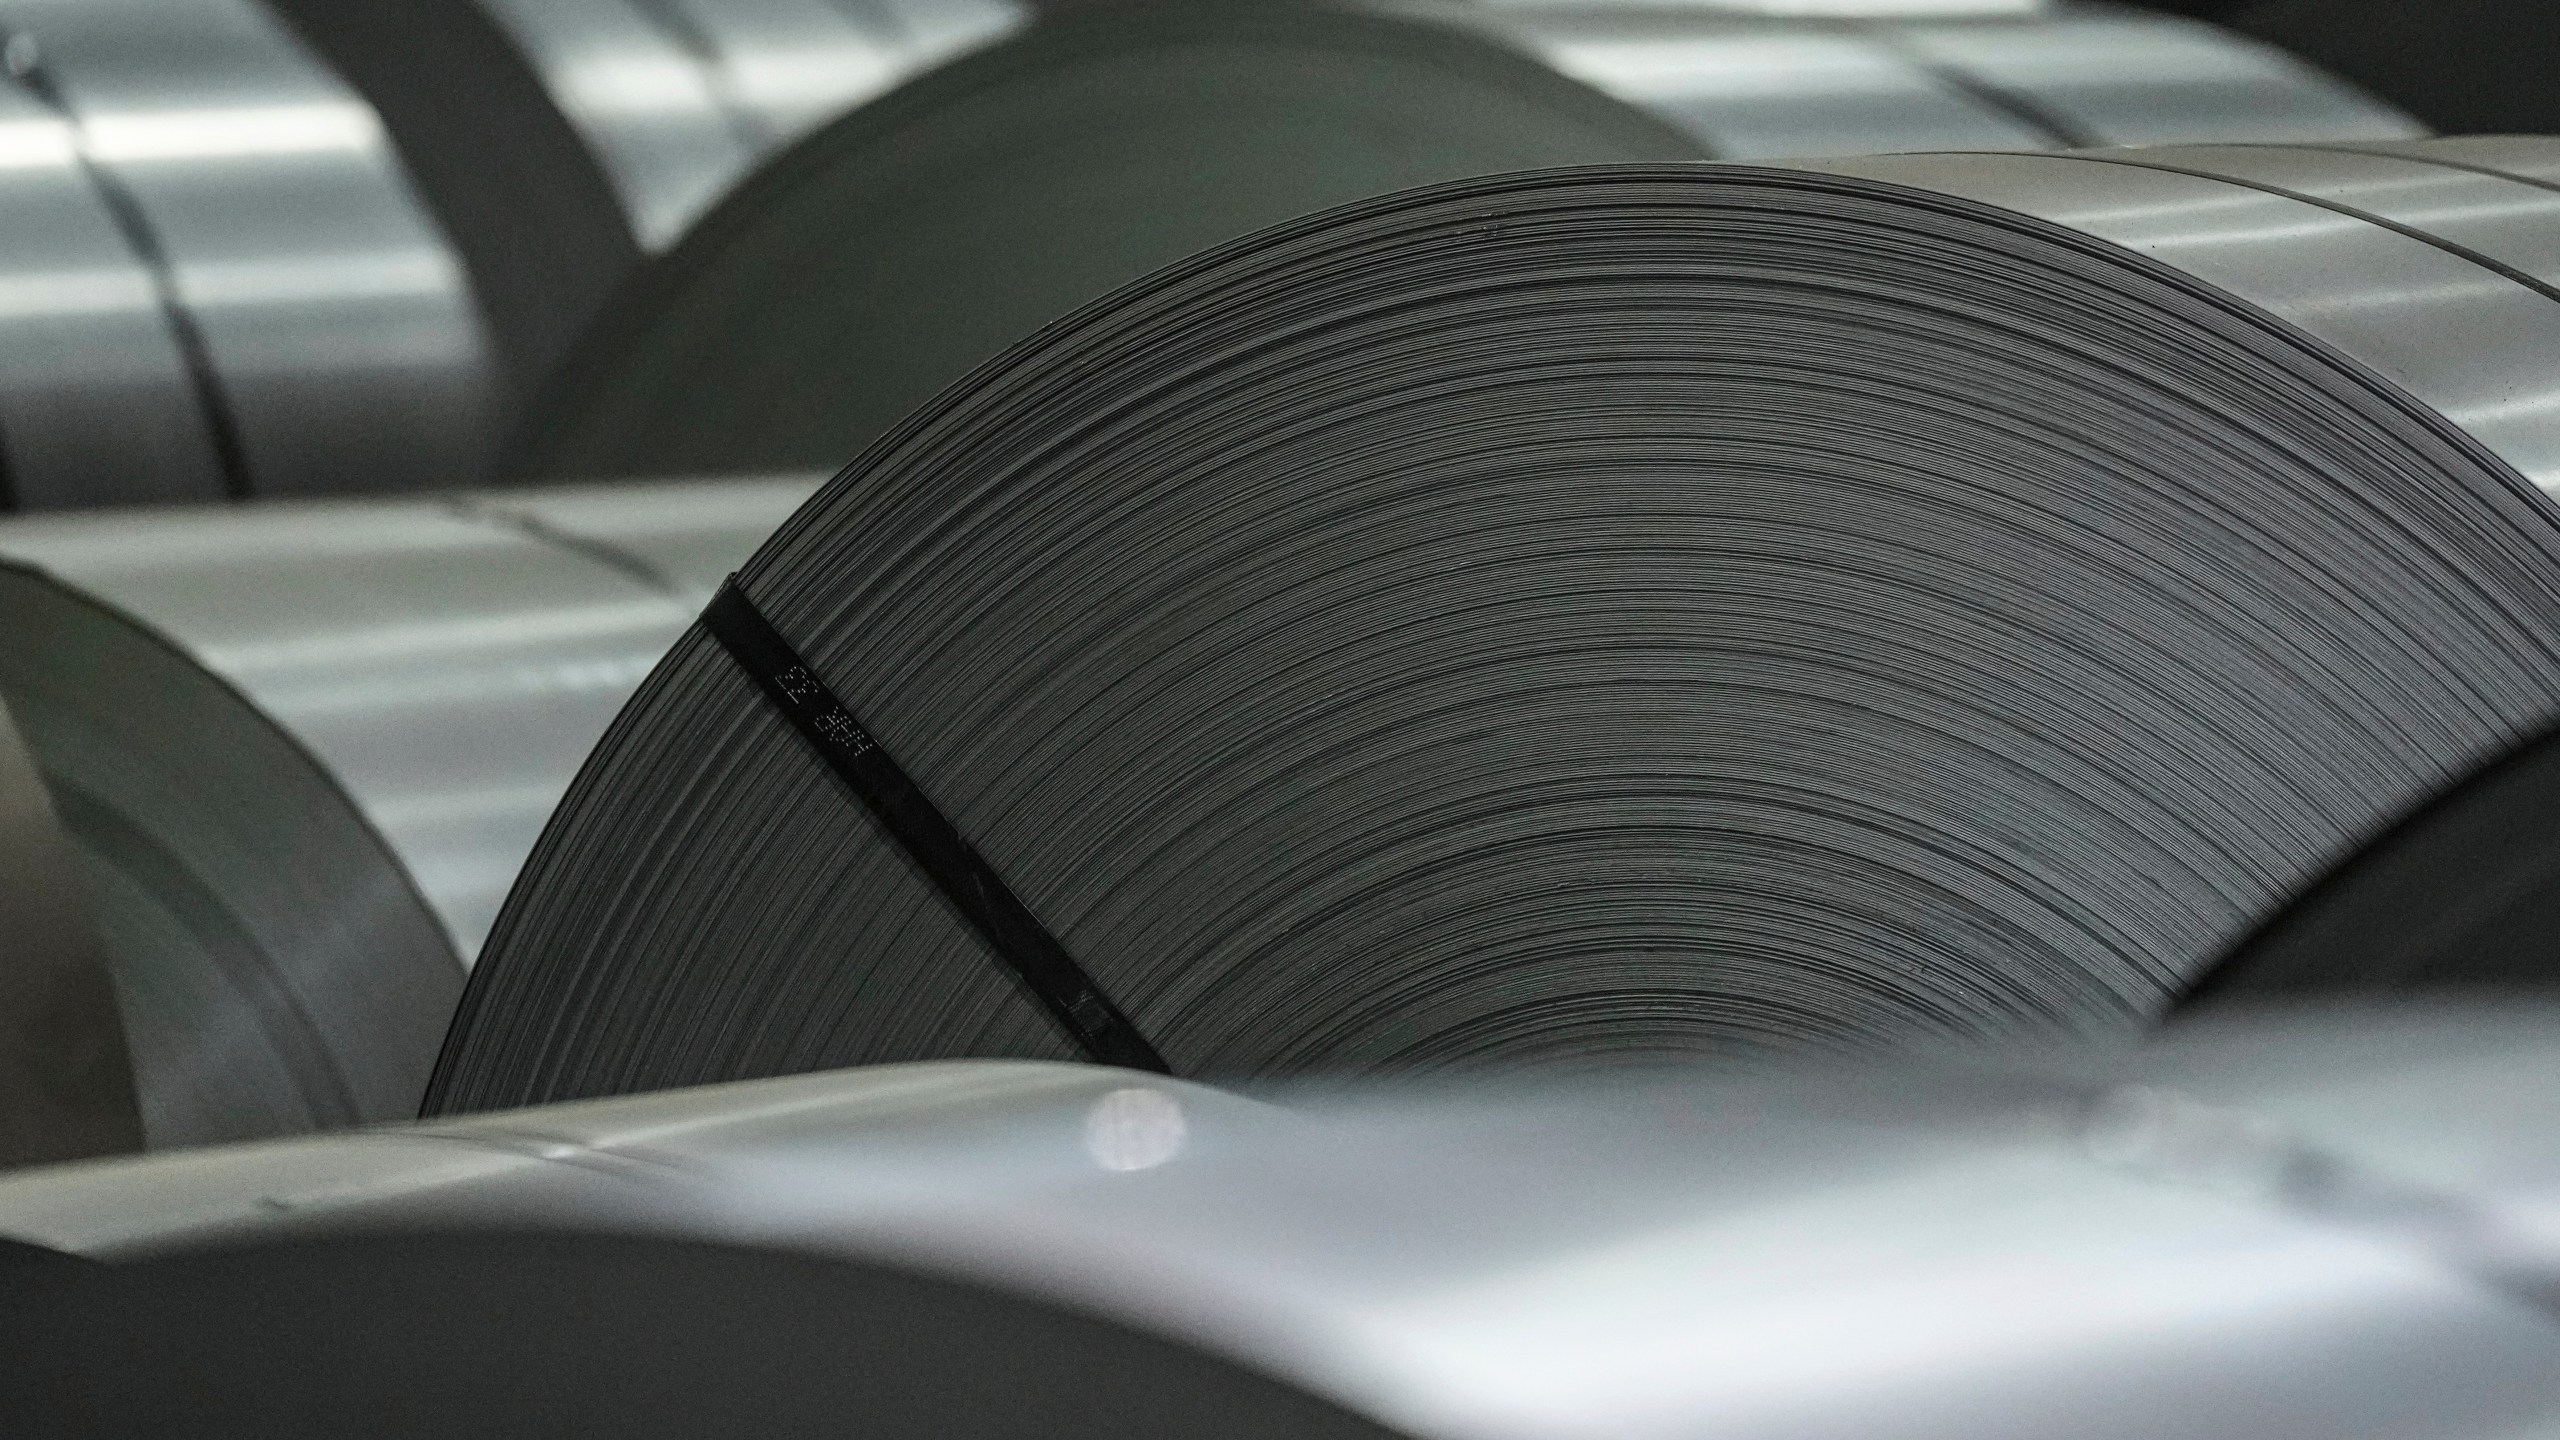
x=303, y=749
x=229, y=286
x=677, y=99
x=2317, y=1227
x=859, y=273
x=1604, y=611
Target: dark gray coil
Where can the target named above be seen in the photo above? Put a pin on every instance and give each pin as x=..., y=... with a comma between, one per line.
x=1613, y=611
x=881, y=259
x=302, y=749
x=2288, y=1230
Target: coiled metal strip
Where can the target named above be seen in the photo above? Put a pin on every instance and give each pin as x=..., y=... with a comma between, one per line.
x=1597, y=612
x=961, y=212
x=303, y=749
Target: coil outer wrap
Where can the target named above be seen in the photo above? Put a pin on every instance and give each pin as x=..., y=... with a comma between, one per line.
x=957, y=214
x=1610, y=611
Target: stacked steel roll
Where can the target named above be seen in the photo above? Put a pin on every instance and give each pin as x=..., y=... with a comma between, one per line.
x=2295, y=1231
x=1600, y=612
x=286, y=247
x=301, y=751
x=920, y=235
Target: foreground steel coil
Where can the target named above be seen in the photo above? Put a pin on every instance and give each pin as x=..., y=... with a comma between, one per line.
x=1603, y=611
x=845, y=284
x=2323, y=1228
x=304, y=748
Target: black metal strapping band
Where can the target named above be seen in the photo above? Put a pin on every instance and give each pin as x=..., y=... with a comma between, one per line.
x=965, y=879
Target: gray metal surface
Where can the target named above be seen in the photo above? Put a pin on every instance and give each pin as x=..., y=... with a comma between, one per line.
x=2333, y=246
x=334, y=335
x=66, y=1081
x=1863, y=77
x=97, y=403
x=448, y=661
x=679, y=98
x=2324, y=1228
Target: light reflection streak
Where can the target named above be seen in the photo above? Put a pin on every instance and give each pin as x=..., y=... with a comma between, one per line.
x=232, y=132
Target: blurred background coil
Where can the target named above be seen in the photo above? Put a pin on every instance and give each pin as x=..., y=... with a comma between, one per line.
x=303, y=749
x=918, y=236
x=224, y=283
x=2327, y=1226
x=1616, y=611
x=257, y=247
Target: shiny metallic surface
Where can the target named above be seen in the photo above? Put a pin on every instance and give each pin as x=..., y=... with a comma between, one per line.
x=2475, y=345
x=448, y=661
x=1748, y=89
x=1861, y=78
x=334, y=331
x=97, y=405
x=679, y=98
x=275, y=970
x=2097, y=76
x=66, y=1081
x=2321, y=1227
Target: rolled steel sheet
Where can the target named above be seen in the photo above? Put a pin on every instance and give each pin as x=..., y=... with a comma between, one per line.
x=2316, y=1227
x=306, y=747
x=98, y=404
x=962, y=211
x=331, y=331
x=1604, y=611
x=679, y=98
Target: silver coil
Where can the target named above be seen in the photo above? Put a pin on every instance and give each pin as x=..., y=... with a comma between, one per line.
x=325, y=336
x=2308, y=1227
x=923, y=233
x=680, y=98
x=1693, y=608
x=304, y=748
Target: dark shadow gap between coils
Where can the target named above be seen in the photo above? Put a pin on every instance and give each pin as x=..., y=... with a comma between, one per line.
x=1836, y=611
x=515, y=189
x=2461, y=894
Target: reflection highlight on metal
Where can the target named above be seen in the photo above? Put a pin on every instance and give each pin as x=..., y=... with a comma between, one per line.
x=302, y=749
x=2290, y=1227
x=1991, y=586
x=258, y=302
x=1863, y=78
x=448, y=661
x=678, y=98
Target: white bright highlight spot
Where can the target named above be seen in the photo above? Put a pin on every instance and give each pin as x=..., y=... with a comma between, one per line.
x=233, y=132
x=1134, y=1129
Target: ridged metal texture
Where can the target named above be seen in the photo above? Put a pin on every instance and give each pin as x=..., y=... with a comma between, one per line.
x=854, y=277
x=2275, y=1230
x=1682, y=608
x=306, y=746
x=228, y=287
x=679, y=98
